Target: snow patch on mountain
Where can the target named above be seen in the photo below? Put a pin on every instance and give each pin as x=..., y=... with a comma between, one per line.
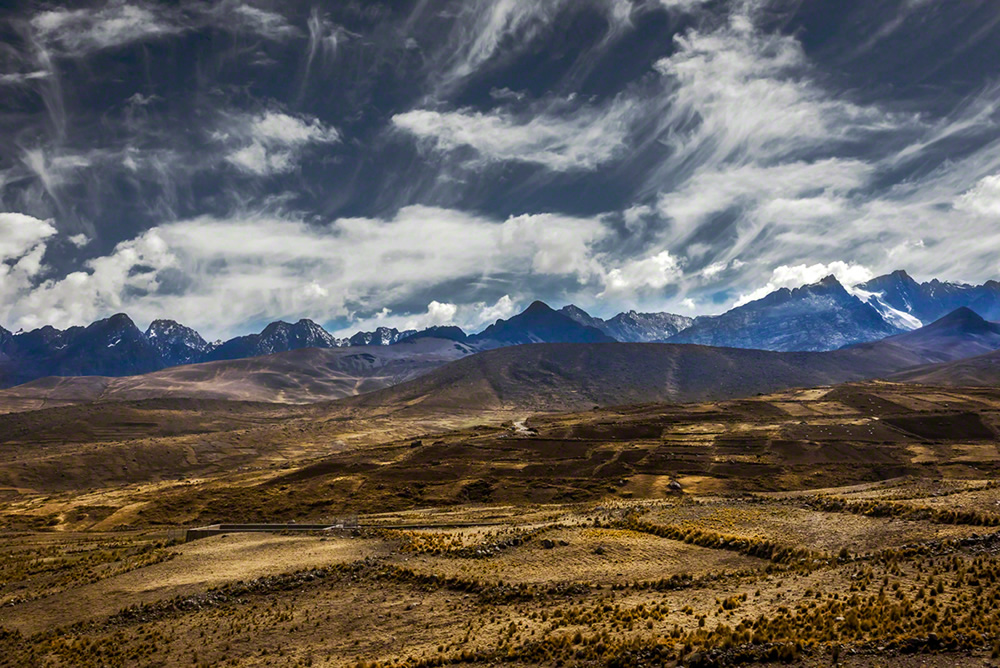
x=895, y=317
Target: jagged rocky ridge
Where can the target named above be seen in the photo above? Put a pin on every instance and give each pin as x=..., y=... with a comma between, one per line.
x=926, y=302
x=822, y=316
x=632, y=327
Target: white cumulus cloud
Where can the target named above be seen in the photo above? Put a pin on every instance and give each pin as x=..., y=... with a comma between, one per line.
x=217, y=273
x=794, y=276
x=983, y=199
x=272, y=141
x=20, y=233
x=650, y=273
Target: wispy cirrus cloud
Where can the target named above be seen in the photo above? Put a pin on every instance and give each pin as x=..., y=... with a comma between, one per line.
x=485, y=34
x=659, y=153
x=77, y=32
x=20, y=78
x=482, y=26
x=580, y=139
x=325, y=37
x=239, y=16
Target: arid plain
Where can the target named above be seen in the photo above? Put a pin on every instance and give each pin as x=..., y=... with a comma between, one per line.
x=838, y=524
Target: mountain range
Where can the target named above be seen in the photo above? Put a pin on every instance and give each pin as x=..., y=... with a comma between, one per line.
x=299, y=376
x=434, y=374
x=822, y=316
x=632, y=327
x=555, y=377
x=926, y=302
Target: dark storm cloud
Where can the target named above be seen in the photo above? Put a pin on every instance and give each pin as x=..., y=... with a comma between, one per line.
x=415, y=163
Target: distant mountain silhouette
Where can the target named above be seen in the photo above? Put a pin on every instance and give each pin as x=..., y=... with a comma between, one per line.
x=537, y=324
x=382, y=336
x=575, y=376
x=817, y=317
x=632, y=327
x=298, y=376
x=112, y=346
x=931, y=300
x=821, y=316
x=451, y=333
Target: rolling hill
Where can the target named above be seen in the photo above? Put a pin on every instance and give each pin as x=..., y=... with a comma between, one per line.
x=573, y=376
x=817, y=317
x=299, y=376
x=538, y=324
x=979, y=371
x=975, y=353
x=959, y=334
x=446, y=374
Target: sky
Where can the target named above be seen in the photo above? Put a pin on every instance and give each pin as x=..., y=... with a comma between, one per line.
x=228, y=163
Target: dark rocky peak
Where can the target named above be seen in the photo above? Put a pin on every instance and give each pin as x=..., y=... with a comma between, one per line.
x=118, y=326
x=176, y=343
x=538, y=307
x=539, y=323
x=171, y=330
x=382, y=336
x=449, y=332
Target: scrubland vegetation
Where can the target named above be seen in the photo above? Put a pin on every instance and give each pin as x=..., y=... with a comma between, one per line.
x=788, y=529
x=463, y=596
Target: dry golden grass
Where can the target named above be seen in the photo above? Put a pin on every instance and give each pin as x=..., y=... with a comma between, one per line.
x=805, y=528
x=609, y=595
x=790, y=525
x=194, y=567
x=595, y=556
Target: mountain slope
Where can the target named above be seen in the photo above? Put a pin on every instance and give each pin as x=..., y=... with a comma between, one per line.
x=176, y=343
x=575, y=376
x=578, y=314
x=931, y=300
x=646, y=327
x=298, y=376
x=277, y=337
x=960, y=334
x=537, y=324
x=821, y=316
x=980, y=371
x=112, y=346
x=449, y=332
x=535, y=377
x=966, y=348
x=631, y=326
